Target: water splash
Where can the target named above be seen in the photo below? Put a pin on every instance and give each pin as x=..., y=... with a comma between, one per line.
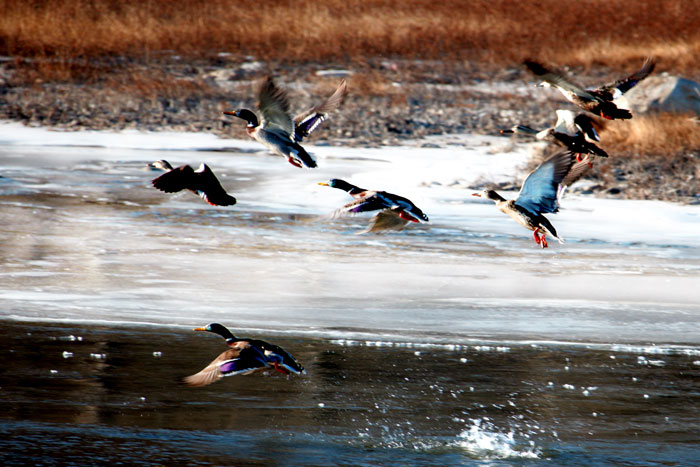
x=484, y=441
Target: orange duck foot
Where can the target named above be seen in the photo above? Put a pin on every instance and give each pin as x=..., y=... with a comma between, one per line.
x=543, y=242
x=537, y=237
x=579, y=157
x=406, y=217
x=280, y=369
x=293, y=162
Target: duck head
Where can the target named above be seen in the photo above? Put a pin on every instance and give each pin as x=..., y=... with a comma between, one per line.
x=161, y=165
x=339, y=184
x=519, y=130
x=245, y=114
x=490, y=194
x=219, y=329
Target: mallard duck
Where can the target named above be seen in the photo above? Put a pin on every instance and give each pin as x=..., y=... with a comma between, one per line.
x=245, y=356
x=366, y=200
x=278, y=130
x=202, y=182
x=537, y=196
x=598, y=101
x=571, y=131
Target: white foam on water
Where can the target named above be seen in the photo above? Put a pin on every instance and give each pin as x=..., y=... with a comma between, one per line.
x=483, y=441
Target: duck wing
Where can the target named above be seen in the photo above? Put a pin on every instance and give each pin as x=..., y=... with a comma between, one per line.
x=577, y=171
x=208, y=187
x=306, y=122
x=175, y=179
x=539, y=191
x=370, y=201
x=241, y=360
x=612, y=91
x=570, y=90
x=385, y=220
x=274, y=108
x=201, y=181
x=585, y=123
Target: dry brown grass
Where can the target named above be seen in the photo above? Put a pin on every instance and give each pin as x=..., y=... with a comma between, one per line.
x=655, y=157
x=156, y=84
x=493, y=31
x=662, y=134
x=51, y=70
x=373, y=83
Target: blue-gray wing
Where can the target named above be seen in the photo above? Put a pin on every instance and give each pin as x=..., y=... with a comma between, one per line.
x=539, y=191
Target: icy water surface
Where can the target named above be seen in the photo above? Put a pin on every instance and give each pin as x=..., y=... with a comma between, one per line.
x=452, y=343
x=102, y=395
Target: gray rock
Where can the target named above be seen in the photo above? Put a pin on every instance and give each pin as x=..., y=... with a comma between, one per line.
x=663, y=94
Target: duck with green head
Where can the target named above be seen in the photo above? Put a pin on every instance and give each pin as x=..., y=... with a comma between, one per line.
x=369, y=200
x=244, y=356
x=278, y=131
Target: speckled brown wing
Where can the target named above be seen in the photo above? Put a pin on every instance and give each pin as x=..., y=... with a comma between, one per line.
x=577, y=171
x=242, y=359
x=385, y=220
x=274, y=109
x=573, y=92
x=371, y=201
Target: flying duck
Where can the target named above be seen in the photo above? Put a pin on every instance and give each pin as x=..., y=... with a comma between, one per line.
x=245, y=356
x=278, y=130
x=598, y=101
x=202, y=182
x=537, y=196
x=367, y=200
x=571, y=131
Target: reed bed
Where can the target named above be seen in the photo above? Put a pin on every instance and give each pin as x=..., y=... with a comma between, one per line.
x=662, y=134
x=609, y=32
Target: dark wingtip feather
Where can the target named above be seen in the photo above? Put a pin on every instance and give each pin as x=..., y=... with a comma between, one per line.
x=622, y=114
x=224, y=200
